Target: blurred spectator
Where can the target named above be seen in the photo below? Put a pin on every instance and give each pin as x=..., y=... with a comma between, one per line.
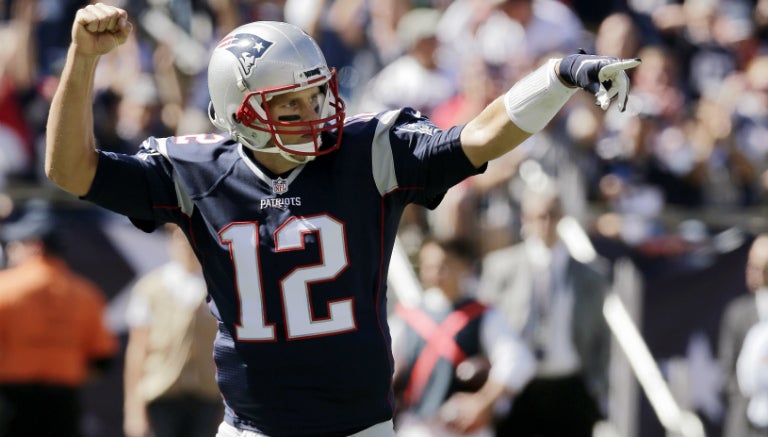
x=550, y=26
x=52, y=31
x=751, y=368
x=18, y=81
x=657, y=85
x=478, y=84
x=229, y=14
x=760, y=17
x=6, y=208
x=170, y=386
x=52, y=332
x=456, y=359
x=747, y=94
x=341, y=29
x=140, y=111
x=511, y=34
x=618, y=35
x=727, y=175
x=422, y=83
x=556, y=302
x=632, y=200
x=739, y=317
x=106, y=119
x=385, y=16
x=594, y=12
x=661, y=104
x=648, y=161
x=710, y=39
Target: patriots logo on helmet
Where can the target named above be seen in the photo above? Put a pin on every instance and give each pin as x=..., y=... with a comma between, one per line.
x=246, y=47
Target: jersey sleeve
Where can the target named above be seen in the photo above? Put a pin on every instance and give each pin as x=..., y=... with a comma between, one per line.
x=425, y=160
x=139, y=186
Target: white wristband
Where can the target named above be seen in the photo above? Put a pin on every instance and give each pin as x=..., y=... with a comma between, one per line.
x=536, y=98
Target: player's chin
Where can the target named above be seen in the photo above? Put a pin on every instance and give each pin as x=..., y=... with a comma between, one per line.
x=289, y=139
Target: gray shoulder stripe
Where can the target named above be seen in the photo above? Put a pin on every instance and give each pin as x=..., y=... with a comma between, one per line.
x=383, y=164
x=182, y=198
x=162, y=146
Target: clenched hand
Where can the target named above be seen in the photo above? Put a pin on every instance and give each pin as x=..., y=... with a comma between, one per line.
x=99, y=28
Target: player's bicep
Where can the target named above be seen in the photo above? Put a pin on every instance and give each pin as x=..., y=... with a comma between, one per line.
x=433, y=161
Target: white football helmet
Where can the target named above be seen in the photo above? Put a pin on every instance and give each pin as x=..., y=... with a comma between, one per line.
x=258, y=61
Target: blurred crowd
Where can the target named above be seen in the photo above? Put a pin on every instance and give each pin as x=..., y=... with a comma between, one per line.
x=691, y=137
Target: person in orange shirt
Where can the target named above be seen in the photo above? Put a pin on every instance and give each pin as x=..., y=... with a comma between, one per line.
x=52, y=331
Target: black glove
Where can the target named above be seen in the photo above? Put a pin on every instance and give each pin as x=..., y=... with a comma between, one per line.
x=603, y=76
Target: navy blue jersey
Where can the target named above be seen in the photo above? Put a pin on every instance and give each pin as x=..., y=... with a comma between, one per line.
x=296, y=264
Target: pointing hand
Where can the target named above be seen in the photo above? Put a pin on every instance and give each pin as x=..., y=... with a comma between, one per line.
x=603, y=76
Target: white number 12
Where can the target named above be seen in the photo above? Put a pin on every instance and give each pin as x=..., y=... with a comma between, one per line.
x=243, y=241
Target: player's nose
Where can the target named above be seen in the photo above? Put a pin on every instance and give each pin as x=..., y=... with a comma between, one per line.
x=309, y=110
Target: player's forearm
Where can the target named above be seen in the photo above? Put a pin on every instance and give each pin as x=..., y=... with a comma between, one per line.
x=70, y=157
x=491, y=392
x=490, y=134
x=135, y=357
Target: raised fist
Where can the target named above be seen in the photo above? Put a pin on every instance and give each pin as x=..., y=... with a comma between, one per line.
x=99, y=28
x=603, y=76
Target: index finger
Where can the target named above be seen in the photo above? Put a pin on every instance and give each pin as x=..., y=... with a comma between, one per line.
x=615, y=67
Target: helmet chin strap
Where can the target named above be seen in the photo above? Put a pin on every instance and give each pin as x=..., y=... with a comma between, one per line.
x=297, y=159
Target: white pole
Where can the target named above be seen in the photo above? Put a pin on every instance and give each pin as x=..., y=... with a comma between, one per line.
x=402, y=278
x=671, y=416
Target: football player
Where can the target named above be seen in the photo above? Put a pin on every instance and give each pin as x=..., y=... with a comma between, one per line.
x=293, y=208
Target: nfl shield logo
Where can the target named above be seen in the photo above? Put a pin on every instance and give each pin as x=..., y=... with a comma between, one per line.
x=279, y=186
